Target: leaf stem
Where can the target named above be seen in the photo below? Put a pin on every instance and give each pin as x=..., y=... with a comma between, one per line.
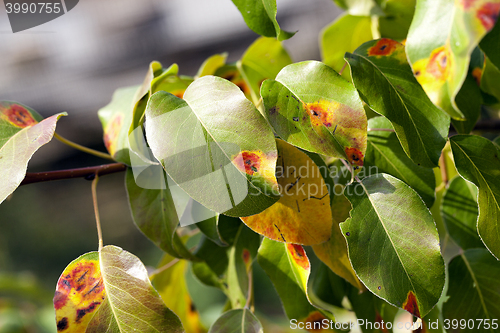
x=164, y=267
x=87, y=173
x=250, y=288
x=96, y=210
x=82, y=148
x=442, y=168
x=350, y=168
x=343, y=68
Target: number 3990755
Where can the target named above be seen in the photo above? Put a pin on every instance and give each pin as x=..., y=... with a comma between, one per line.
x=470, y=324
x=33, y=8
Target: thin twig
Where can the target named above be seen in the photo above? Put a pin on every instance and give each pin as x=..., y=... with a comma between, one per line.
x=381, y=129
x=259, y=103
x=442, y=168
x=96, y=210
x=350, y=168
x=82, y=148
x=87, y=173
x=343, y=67
x=250, y=288
x=164, y=267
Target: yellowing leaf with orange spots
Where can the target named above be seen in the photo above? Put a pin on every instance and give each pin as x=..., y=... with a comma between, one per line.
x=312, y=107
x=288, y=267
x=22, y=133
x=302, y=215
x=442, y=37
x=109, y=291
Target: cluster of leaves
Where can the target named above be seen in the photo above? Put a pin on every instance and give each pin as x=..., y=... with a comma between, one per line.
x=249, y=149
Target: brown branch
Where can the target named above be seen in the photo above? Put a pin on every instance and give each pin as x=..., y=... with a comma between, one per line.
x=87, y=173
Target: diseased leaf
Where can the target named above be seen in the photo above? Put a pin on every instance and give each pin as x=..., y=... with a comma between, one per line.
x=310, y=106
x=221, y=164
x=241, y=257
x=477, y=161
x=386, y=83
x=263, y=60
x=155, y=214
x=345, y=34
x=22, y=132
x=473, y=290
x=385, y=153
x=442, y=37
x=260, y=16
x=171, y=285
x=288, y=267
x=394, y=244
x=459, y=211
x=109, y=291
x=302, y=215
x=239, y=320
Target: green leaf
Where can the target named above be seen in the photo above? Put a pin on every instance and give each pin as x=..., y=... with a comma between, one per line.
x=211, y=271
x=386, y=83
x=490, y=45
x=345, y=34
x=442, y=36
x=361, y=7
x=476, y=159
x=260, y=16
x=396, y=23
x=109, y=291
x=473, y=290
x=385, y=154
x=220, y=229
x=489, y=79
x=221, y=164
x=288, y=267
x=469, y=101
x=22, y=132
x=172, y=287
x=312, y=107
x=394, y=244
x=459, y=211
x=326, y=286
x=210, y=66
x=155, y=214
x=241, y=257
x=263, y=60
x=239, y=320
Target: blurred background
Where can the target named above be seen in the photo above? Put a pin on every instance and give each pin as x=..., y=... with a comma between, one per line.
x=74, y=64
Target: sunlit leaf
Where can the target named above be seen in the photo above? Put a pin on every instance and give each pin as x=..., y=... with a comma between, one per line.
x=459, y=211
x=288, y=268
x=394, y=244
x=22, y=132
x=345, y=34
x=241, y=257
x=477, y=161
x=220, y=163
x=171, y=285
x=310, y=106
x=398, y=16
x=155, y=214
x=211, y=65
x=334, y=252
x=109, y=291
x=386, y=83
x=385, y=154
x=260, y=16
x=263, y=60
x=239, y=320
x=442, y=37
x=302, y=215
x=473, y=290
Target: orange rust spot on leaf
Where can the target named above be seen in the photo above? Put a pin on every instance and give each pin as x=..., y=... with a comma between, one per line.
x=62, y=324
x=321, y=113
x=19, y=116
x=355, y=156
x=236, y=78
x=488, y=15
x=111, y=133
x=438, y=65
x=249, y=162
x=178, y=93
x=467, y=4
x=246, y=256
x=298, y=255
x=384, y=47
x=313, y=323
x=411, y=304
x=477, y=74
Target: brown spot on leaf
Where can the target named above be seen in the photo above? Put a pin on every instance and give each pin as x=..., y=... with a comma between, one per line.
x=246, y=256
x=488, y=15
x=178, y=93
x=476, y=74
x=62, y=324
x=248, y=161
x=313, y=322
x=80, y=313
x=298, y=255
x=439, y=63
x=355, y=156
x=320, y=113
x=411, y=304
x=384, y=47
x=19, y=116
